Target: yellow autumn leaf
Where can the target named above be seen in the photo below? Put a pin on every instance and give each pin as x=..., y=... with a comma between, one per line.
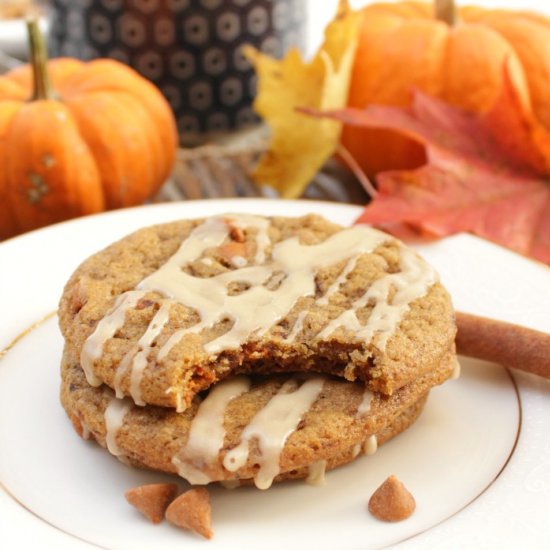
x=301, y=144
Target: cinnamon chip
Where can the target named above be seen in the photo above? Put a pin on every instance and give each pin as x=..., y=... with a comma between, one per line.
x=391, y=501
x=232, y=249
x=191, y=511
x=152, y=500
x=237, y=234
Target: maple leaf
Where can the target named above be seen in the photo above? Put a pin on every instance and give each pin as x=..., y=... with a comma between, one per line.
x=484, y=173
x=301, y=144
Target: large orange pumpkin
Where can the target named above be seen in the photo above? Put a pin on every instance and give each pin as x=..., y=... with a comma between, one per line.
x=459, y=59
x=99, y=137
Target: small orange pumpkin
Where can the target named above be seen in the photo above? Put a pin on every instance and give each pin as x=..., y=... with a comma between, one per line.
x=458, y=58
x=98, y=137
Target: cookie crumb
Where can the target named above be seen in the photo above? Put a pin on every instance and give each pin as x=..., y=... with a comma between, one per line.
x=192, y=511
x=391, y=501
x=152, y=500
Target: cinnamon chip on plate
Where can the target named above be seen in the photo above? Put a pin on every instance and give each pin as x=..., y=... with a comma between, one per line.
x=391, y=501
x=192, y=511
x=152, y=500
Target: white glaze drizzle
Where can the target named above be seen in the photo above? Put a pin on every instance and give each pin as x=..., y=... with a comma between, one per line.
x=364, y=407
x=114, y=415
x=85, y=430
x=106, y=328
x=262, y=240
x=340, y=280
x=271, y=427
x=456, y=369
x=135, y=360
x=371, y=445
x=145, y=343
x=256, y=310
x=298, y=326
x=239, y=261
x=207, y=431
x=122, y=369
x=412, y=282
x=323, y=300
x=316, y=474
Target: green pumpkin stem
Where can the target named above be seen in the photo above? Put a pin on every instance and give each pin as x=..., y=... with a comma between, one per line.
x=445, y=10
x=38, y=55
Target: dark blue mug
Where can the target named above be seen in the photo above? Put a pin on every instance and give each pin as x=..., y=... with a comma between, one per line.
x=191, y=49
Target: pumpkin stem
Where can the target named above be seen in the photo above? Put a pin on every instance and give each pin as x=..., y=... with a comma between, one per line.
x=445, y=10
x=42, y=88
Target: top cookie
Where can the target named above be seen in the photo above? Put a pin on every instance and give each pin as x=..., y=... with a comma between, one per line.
x=169, y=310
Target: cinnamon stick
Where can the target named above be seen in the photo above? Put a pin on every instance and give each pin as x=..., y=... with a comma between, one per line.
x=505, y=343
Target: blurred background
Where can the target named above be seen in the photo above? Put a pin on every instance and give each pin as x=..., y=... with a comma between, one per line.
x=319, y=12
x=192, y=50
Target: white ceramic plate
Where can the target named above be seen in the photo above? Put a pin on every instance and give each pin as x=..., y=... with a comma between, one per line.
x=477, y=461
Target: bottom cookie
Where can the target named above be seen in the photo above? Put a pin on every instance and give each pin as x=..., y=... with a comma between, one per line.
x=248, y=429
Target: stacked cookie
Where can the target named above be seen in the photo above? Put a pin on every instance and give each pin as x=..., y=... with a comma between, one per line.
x=239, y=348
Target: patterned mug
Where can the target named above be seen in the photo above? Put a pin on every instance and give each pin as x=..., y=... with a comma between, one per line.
x=191, y=49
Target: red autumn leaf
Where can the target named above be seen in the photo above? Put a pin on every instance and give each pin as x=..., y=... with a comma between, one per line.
x=484, y=173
